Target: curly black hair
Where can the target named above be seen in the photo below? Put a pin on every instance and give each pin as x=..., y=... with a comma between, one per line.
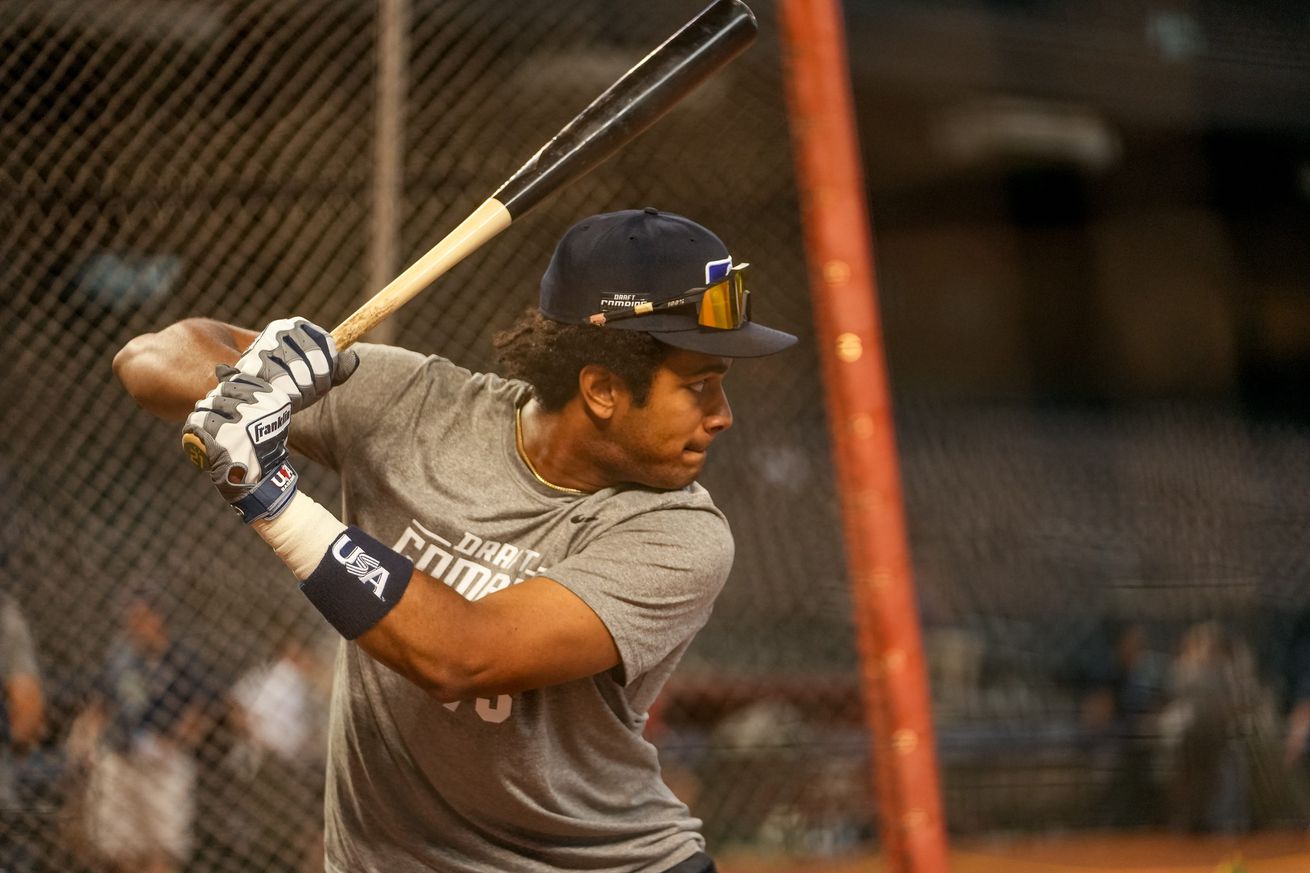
x=549, y=354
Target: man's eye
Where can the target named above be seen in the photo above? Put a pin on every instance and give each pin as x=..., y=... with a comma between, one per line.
x=698, y=387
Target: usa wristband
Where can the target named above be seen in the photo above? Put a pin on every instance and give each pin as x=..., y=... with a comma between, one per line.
x=358, y=581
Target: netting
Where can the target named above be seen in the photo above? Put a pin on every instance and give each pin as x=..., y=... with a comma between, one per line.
x=1133, y=591
x=161, y=159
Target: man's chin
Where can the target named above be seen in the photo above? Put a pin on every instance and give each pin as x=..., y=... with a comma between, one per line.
x=672, y=479
x=686, y=473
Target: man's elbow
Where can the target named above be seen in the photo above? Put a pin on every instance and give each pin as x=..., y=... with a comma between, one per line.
x=136, y=366
x=168, y=371
x=457, y=680
x=451, y=678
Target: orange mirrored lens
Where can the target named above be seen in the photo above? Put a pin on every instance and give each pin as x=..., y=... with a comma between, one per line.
x=723, y=306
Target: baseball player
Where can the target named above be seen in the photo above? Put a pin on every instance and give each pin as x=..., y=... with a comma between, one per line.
x=521, y=562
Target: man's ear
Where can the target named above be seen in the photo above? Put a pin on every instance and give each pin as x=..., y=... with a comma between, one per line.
x=600, y=390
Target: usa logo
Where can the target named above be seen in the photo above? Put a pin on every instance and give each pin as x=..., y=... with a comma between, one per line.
x=284, y=477
x=361, y=564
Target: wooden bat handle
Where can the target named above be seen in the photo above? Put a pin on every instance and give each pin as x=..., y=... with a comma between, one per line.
x=485, y=222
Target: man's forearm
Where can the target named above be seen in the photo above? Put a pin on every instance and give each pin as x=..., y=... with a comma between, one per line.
x=168, y=371
x=536, y=634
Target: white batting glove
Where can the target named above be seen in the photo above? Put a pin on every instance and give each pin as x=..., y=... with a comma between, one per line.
x=244, y=423
x=299, y=358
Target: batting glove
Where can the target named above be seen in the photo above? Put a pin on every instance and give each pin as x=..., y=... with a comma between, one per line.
x=298, y=357
x=244, y=423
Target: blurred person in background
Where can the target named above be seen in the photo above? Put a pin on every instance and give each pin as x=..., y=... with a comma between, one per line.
x=1214, y=695
x=279, y=713
x=136, y=739
x=1296, y=736
x=22, y=723
x=1127, y=694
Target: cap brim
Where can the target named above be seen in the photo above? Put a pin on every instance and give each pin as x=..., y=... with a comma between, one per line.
x=751, y=340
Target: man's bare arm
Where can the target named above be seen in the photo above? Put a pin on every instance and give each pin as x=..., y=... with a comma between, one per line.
x=531, y=635
x=168, y=371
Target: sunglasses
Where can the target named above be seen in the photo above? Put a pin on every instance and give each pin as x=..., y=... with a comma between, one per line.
x=725, y=305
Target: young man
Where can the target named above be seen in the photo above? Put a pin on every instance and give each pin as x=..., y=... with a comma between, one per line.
x=528, y=558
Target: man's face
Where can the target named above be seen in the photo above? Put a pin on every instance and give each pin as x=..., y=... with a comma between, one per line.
x=663, y=443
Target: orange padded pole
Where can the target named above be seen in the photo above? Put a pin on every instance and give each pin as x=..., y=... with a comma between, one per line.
x=839, y=250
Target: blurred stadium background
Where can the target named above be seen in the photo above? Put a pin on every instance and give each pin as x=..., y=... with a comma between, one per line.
x=1092, y=223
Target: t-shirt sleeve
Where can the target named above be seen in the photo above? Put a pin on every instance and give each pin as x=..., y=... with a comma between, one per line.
x=328, y=431
x=652, y=579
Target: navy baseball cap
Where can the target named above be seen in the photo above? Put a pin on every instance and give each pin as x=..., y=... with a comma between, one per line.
x=653, y=271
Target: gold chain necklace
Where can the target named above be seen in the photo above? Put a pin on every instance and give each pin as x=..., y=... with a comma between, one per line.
x=518, y=444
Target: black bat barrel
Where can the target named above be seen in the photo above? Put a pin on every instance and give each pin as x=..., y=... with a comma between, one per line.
x=633, y=103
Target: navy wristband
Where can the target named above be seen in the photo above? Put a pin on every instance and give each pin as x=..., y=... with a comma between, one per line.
x=358, y=581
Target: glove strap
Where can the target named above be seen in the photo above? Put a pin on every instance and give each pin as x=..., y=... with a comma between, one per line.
x=270, y=496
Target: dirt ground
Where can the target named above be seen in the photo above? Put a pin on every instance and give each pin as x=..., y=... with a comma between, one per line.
x=1259, y=853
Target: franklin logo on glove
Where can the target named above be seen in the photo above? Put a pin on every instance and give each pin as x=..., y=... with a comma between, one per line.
x=270, y=426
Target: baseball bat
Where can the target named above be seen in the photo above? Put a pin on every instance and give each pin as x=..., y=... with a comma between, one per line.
x=633, y=103
x=629, y=106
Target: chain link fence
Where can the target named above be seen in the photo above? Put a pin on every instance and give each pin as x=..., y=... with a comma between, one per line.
x=167, y=158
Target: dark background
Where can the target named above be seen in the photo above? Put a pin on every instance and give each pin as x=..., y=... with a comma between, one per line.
x=1090, y=224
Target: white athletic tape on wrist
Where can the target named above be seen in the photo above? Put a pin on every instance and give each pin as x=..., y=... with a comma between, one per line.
x=351, y=578
x=301, y=534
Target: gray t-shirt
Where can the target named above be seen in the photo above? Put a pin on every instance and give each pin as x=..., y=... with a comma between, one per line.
x=17, y=658
x=557, y=778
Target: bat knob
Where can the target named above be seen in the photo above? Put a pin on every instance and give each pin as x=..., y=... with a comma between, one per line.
x=195, y=450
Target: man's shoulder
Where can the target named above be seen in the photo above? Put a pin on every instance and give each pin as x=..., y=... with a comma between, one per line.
x=388, y=361
x=395, y=366
x=690, y=509
x=693, y=496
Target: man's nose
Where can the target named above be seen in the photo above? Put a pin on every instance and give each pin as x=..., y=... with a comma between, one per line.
x=718, y=416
